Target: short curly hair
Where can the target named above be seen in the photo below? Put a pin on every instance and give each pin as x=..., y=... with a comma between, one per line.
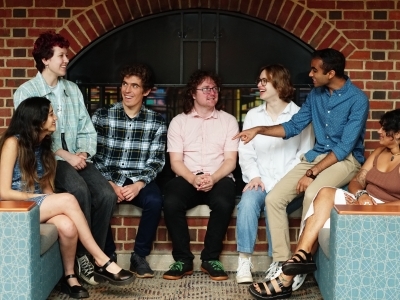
x=43, y=47
x=139, y=70
x=194, y=81
x=390, y=122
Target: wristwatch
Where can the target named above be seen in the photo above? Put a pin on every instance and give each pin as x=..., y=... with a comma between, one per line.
x=310, y=174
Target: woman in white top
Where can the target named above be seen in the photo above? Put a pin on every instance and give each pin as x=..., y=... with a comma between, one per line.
x=265, y=160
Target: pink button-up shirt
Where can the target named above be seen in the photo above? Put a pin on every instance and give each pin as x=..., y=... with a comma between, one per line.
x=203, y=141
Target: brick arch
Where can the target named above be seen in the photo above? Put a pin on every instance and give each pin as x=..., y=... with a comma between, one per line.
x=295, y=18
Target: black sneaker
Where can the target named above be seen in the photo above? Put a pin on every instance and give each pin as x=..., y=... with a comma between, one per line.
x=215, y=269
x=140, y=267
x=85, y=269
x=177, y=270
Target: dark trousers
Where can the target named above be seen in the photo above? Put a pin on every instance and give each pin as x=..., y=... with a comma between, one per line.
x=180, y=196
x=95, y=196
x=151, y=201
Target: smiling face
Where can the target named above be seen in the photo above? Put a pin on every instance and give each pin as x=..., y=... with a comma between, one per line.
x=57, y=64
x=49, y=126
x=206, y=100
x=132, y=92
x=388, y=140
x=317, y=73
x=267, y=92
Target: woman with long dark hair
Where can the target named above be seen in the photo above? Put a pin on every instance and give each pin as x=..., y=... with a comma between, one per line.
x=27, y=171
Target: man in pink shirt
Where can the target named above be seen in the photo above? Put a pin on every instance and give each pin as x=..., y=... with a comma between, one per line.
x=202, y=155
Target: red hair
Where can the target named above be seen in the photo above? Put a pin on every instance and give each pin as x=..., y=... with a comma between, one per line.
x=43, y=47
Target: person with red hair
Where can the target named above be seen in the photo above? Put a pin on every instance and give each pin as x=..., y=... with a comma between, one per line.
x=74, y=142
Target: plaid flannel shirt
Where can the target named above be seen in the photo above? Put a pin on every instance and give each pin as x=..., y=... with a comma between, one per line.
x=131, y=148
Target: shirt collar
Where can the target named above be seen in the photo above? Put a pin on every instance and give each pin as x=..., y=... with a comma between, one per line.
x=46, y=89
x=343, y=89
x=263, y=108
x=213, y=115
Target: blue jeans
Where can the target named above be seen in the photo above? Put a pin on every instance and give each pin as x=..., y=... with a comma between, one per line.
x=95, y=196
x=249, y=208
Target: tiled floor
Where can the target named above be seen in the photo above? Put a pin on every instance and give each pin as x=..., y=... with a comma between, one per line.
x=197, y=286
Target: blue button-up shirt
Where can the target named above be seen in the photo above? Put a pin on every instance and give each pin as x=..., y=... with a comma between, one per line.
x=338, y=120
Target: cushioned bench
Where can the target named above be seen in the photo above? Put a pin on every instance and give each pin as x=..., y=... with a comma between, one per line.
x=30, y=264
x=359, y=257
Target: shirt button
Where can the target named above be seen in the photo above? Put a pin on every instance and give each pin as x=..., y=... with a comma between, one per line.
x=326, y=125
x=329, y=111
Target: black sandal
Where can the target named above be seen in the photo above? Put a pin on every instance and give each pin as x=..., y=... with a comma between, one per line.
x=75, y=291
x=285, y=291
x=298, y=265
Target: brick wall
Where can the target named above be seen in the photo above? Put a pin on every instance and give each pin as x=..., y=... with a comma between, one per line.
x=367, y=32
x=126, y=221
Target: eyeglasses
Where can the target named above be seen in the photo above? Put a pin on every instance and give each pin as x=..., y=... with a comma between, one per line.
x=207, y=90
x=263, y=81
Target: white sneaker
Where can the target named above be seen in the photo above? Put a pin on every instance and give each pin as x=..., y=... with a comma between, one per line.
x=298, y=281
x=85, y=270
x=244, y=271
x=274, y=270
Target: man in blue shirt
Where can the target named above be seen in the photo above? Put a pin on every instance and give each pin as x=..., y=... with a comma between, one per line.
x=338, y=111
x=130, y=153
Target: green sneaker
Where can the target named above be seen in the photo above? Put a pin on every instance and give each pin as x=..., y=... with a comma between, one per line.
x=215, y=269
x=177, y=270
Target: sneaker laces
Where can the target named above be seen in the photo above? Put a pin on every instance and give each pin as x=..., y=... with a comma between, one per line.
x=141, y=261
x=274, y=270
x=216, y=265
x=86, y=266
x=244, y=267
x=176, y=266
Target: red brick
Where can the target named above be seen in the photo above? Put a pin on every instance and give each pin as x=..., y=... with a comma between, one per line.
x=294, y=18
x=380, y=4
x=252, y=10
x=121, y=234
x=96, y=23
x=321, y=4
x=5, y=72
x=261, y=248
x=201, y=234
x=294, y=222
x=380, y=85
x=20, y=43
x=231, y=234
x=79, y=35
x=48, y=3
x=310, y=31
x=104, y=17
x=5, y=13
x=161, y=234
x=357, y=34
x=229, y=248
x=128, y=246
x=114, y=13
x=35, y=13
x=78, y=3
x=193, y=234
x=357, y=15
x=273, y=12
x=393, y=76
x=263, y=9
x=350, y=25
x=394, y=15
x=380, y=25
x=360, y=75
x=284, y=14
x=116, y=221
x=359, y=44
x=145, y=9
x=366, y=55
x=5, y=112
x=131, y=234
x=197, y=221
x=5, y=32
x=135, y=9
x=18, y=3
x=378, y=65
x=74, y=47
x=49, y=23
x=345, y=5
x=87, y=27
x=31, y=73
x=124, y=9
x=5, y=93
x=262, y=235
x=380, y=45
x=329, y=40
x=19, y=23
x=379, y=105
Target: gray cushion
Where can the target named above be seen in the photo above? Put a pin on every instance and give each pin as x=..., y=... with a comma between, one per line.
x=323, y=240
x=48, y=236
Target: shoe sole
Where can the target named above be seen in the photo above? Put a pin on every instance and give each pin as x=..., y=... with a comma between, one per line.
x=170, y=277
x=299, y=284
x=257, y=295
x=219, y=278
x=244, y=280
x=147, y=275
x=103, y=278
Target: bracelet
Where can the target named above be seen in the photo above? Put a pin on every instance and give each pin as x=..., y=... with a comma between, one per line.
x=360, y=193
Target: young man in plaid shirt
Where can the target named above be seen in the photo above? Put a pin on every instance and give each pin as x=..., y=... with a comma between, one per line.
x=130, y=153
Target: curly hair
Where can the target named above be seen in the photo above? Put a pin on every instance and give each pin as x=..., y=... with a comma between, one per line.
x=43, y=47
x=279, y=77
x=331, y=60
x=27, y=123
x=390, y=122
x=195, y=80
x=140, y=70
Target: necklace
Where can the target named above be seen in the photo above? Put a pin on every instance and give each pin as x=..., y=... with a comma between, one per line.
x=393, y=155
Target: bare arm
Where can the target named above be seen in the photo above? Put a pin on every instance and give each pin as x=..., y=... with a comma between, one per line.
x=9, y=155
x=227, y=167
x=179, y=168
x=247, y=135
